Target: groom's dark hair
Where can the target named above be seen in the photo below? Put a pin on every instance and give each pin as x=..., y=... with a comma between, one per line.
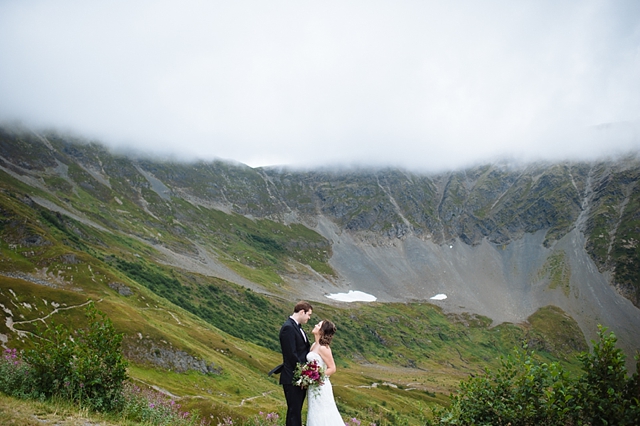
x=302, y=306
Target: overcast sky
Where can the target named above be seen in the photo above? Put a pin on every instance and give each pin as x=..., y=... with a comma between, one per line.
x=418, y=84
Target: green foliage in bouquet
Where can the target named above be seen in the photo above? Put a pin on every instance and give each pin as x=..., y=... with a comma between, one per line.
x=524, y=392
x=85, y=365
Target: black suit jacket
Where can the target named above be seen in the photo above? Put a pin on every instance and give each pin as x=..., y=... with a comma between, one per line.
x=294, y=350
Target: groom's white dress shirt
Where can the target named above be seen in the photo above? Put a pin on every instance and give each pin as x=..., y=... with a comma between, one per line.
x=304, y=336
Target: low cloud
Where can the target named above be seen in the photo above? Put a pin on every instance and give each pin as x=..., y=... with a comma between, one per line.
x=415, y=84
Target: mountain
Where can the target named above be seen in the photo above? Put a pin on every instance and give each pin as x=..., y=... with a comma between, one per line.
x=222, y=241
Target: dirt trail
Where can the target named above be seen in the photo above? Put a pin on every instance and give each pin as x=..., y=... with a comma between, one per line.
x=11, y=324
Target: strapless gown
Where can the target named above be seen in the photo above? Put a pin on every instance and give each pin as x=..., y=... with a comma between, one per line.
x=321, y=406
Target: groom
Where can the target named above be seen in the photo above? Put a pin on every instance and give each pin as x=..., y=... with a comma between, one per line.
x=295, y=347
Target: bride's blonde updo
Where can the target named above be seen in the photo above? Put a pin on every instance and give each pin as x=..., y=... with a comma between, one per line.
x=327, y=330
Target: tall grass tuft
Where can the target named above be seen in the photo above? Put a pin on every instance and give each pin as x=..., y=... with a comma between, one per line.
x=17, y=378
x=154, y=408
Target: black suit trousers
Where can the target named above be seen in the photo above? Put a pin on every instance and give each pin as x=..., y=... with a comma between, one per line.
x=295, y=398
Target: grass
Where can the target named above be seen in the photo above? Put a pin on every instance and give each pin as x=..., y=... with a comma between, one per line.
x=557, y=332
x=414, y=347
x=16, y=412
x=558, y=270
x=392, y=358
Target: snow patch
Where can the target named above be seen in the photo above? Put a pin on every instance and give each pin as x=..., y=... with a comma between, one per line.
x=6, y=310
x=353, y=296
x=439, y=297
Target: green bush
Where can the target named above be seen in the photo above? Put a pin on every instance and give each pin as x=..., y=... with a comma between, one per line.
x=605, y=394
x=85, y=365
x=520, y=392
x=523, y=392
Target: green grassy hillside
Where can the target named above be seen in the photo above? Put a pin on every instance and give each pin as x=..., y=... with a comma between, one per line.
x=78, y=224
x=391, y=358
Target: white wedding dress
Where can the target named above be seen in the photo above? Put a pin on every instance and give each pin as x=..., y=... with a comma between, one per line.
x=321, y=407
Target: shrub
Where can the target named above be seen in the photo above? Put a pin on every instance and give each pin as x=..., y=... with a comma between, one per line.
x=604, y=392
x=85, y=365
x=520, y=392
x=525, y=392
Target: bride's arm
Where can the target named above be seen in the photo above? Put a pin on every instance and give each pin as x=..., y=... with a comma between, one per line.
x=327, y=357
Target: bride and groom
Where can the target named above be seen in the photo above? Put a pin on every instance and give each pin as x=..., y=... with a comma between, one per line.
x=296, y=348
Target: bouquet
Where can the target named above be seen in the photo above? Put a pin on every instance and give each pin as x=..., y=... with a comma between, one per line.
x=309, y=375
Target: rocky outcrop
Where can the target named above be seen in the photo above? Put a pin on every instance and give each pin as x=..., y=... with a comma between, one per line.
x=122, y=289
x=162, y=355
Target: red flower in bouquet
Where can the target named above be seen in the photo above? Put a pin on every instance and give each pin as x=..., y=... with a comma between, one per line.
x=309, y=375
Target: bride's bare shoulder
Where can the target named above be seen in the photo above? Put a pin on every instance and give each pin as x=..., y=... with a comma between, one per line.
x=324, y=349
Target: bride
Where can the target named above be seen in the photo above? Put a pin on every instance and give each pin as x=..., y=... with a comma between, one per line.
x=321, y=408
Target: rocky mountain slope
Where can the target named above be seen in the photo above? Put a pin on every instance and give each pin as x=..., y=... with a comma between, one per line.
x=498, y=240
